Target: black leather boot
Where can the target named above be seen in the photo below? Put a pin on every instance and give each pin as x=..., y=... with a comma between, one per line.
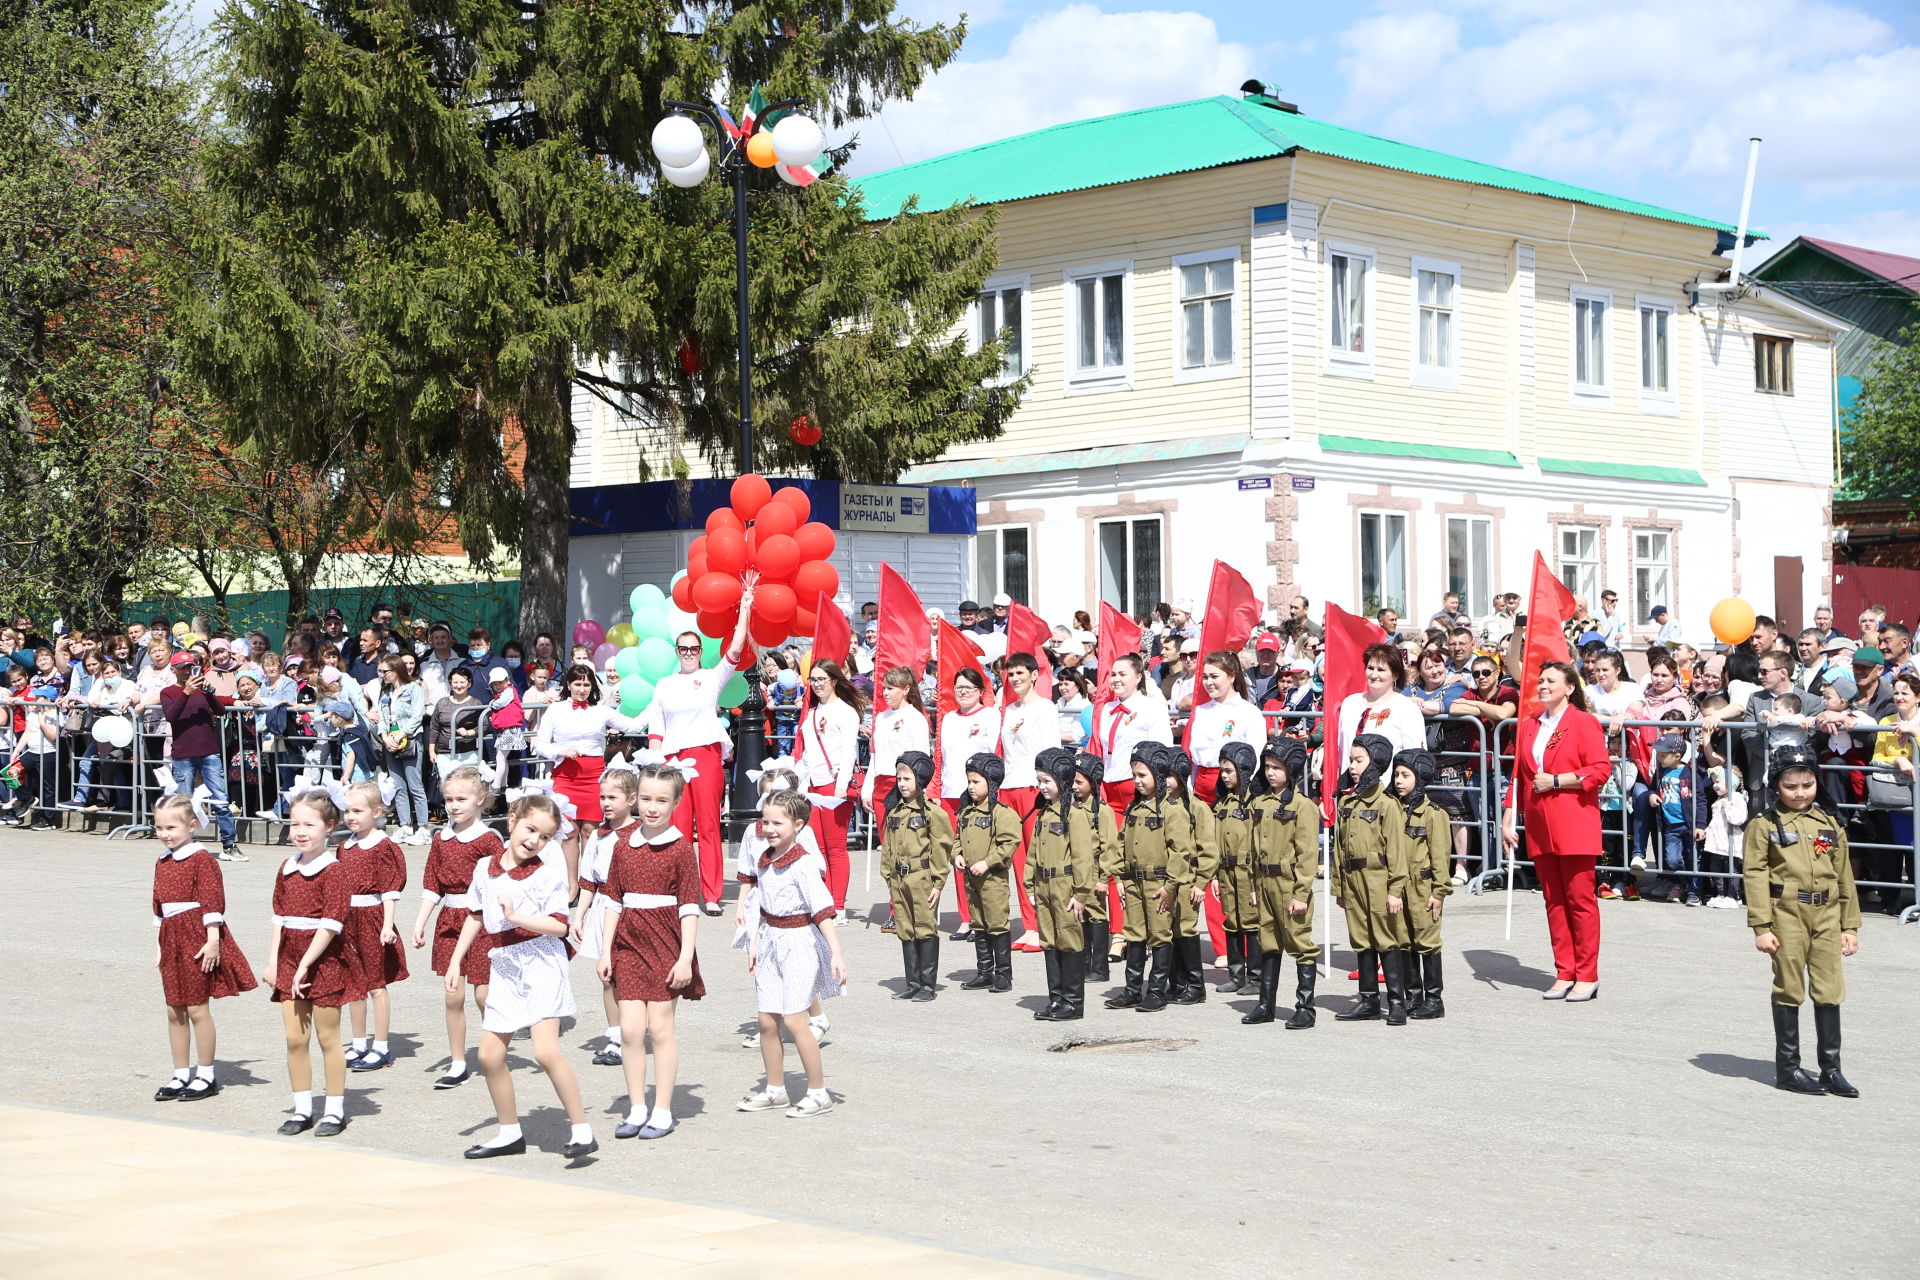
x=1155, y=998
x=927, y=961
x=1003, y=961
x=1369, y=1006
x=1826, y=1025
x=1073, y=986
x=1236, y=965
x=1191, y=984
x=982, y=963
x=1269, y=990
x=1099, y=940
x=1395, y=962
x=1256, y=956
x=1052, y=1009
x=910, y=958
x=1786, y=1052
x=1432, y=1006
x=1303, y=1011
x=1136, y=961
x=1415, y=980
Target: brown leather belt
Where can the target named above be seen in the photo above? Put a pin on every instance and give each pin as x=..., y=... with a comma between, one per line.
x=1358, y=864
x=1272, y=868
x=1813, y=898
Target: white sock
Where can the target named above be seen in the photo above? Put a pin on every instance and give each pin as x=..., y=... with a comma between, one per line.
x=636, y=1115
x=508, y=1133
x=776, y=1091
x=613, y=1036
x=820, y=1023
x=303, y=1102
x=660, y=1118
x=337, y=1107
x=819, y=1095
x=181, y=1075
x=359, y=1044
x=205, y=1073
x=379, y=1046
x=459, y=1068
x=582, y=1133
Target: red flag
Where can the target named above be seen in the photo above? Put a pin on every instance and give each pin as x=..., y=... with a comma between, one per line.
x=957, y=653
x=1119, y=636
x=1027, y=632
x=1232, y=614
x=1549, y=605
x=832, y=636
x=903, y=640
x=1342, y=675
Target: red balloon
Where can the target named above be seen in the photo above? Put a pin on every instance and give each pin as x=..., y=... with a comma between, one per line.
x=776, y=517
x=718, y=625
x=769, y=634
x=726, y=551
x=804, y=431
x=795, y=497
x=716, y=592
x=750, y=493
x=814, y=579
x=697, y=564
x=683, y=594
x=723, y=518
x=777, y=557
x=815, y=539
x=691, y=358
x=698, y=547
x=804, y=621
x=775, y=602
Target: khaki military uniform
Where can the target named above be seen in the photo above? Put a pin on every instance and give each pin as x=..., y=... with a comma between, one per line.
x=1429, y=846
x=1233, y=826
x=1370, y=863
x=1803, y=894
x=988, y=835
x=1153, y=843
x=916, y=853
x=1286, y=856
x=1203, y=863
x=1107, y=860
x=1060, y=870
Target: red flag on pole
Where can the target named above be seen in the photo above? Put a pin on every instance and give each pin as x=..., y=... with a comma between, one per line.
x=1343, y=673
x=1119, y=635
x=903, y=640
x=957, y=653
x=832, y=636
x=1027, y=632
x=1549, y=605
x=1232, y=614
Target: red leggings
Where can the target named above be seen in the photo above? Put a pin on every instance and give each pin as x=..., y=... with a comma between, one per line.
x=952, y=805
x=1573, y=915
x=698, y=815
x=1021, y=801
x=830, y=829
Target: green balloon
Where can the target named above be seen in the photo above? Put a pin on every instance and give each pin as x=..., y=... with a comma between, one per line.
x=735, y=691
x=650, y=619
x=627, y=661
x=709, y=652
x=635, y=695
x=679, y=622
x=657, y=658
x=645, y=594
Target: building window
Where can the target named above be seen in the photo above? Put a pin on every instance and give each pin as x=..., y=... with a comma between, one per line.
x=1590, y=312
x=1470, y=562
x=1099, y=313
x=999, y=315
x=1205, y=298
x=1130, y=559
x=1773, y=365
x=1580, y=561
x=633, y=410
x=1350, y=307
x=1652, y=571
x=1656, y=351
x=1002, y=563
x=1383, y=562
x=1436, y=293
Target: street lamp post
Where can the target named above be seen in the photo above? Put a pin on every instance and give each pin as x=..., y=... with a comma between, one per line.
x=681, y=149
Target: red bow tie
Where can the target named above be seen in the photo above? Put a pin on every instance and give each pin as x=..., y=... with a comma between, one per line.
x=581, y=706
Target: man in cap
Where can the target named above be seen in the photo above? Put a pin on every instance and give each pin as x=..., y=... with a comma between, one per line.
x=969, y=615
x=1668, y=628
x=1264, y=679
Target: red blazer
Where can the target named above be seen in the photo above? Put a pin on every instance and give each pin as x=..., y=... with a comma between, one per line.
x=1565, y=821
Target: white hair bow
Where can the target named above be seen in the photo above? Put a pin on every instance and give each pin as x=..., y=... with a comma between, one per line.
x=309, y=780
x=787, y=763
x=198, y=798
x=486, y=771
x=649, y=755
x=544, y=786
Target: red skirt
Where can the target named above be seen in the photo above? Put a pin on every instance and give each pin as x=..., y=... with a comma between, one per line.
x=381, y=964
x=578, y=779
x=646, y=946
x=333, y=980
x=478, y=966
x=446, y=936
x=181, y=978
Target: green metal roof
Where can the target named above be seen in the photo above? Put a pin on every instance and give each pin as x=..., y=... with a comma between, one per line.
x=1181, y=138
x=1623, y=471
x=1404, y=449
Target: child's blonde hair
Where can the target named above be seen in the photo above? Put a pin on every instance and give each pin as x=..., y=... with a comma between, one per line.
x=791, y=803
x=321, y=803
x=369, y=791
x=175, y=802
x=628, y=780
x=661, y=773
x=469, y=777
x=531, y=803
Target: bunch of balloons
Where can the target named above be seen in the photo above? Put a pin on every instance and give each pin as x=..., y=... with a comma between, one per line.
x=642, y=651
x=767, y=534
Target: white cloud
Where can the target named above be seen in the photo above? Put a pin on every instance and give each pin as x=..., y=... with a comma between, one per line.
x=1064, y=65
x=1386, y=54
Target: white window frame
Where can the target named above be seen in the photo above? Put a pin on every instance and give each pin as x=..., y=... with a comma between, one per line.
x=1205, y=372
x=1665, y=403
x=1129, y=605
x=1341, y=362
x=1444, y=376
x=1104, y=377
x=632, y=414
x=987, y=589
x=1593, y=395
x=1370, y=605
x=1643, y=601
x=1476, y=597
x=996, y=286
x=1586, y=583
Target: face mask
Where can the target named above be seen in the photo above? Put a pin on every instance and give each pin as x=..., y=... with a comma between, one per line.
x=513, y=664
x=110, y=681
x=476, y=651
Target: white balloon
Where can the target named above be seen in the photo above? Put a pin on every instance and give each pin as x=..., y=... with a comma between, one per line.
x=113, y=731
x=786, y=174
x=797, y=140
x=691, y=175
x=677, y=141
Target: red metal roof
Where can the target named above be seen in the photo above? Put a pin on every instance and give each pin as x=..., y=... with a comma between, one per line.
x=1894, y=267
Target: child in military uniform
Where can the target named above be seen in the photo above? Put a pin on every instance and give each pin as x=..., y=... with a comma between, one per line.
x=916, y=853
x=1804, y=913
x=1429, y=843
x=1189, y=985
x=1088, y=770
x=1233, y=828
x=1061, y=883
x=1154, y=867
x=1286, y=854
x=989, y=832
x=1370, y=859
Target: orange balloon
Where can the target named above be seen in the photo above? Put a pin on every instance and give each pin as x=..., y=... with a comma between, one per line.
x=760, y=154
x=1731, y=620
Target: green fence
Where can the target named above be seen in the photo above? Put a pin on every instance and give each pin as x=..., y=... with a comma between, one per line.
x=493, y=605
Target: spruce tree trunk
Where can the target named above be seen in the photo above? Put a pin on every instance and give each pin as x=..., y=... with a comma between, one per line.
x=543, y=550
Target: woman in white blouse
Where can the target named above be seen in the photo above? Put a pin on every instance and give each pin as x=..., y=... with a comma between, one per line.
x=1381, y=708
x=573, y=734
x=1135, y=713
x=972, y=727
x=1226, y=716
x=899, y=725
x=829, y=745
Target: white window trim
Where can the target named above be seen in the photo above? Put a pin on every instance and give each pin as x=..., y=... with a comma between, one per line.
x=1346, y=364
x=622, y=419
x=1024, y=283
x=981, y=590
x=1447, y=378
x=1599, y=554
x=1406, y=557
x=1080, y=382
x=1634, y=564
x=1446, y=555
x=1127, y=522
x=1213, y=372
x=1665, y=404
x=1591, y=397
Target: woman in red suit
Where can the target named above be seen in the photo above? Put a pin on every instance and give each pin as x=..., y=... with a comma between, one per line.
x=1560, y=765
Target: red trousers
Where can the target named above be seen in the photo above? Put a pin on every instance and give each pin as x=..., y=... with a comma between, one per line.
x=1021, y=801
x=1573, y=914
x=952, y=805
x=698, y=815
x=830, y=829
x=1118, y=795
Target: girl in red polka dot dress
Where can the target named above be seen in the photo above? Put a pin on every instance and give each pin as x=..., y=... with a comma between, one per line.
x=380, y=874
x=198, y=959
x=446, y=887
x=314, y=972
